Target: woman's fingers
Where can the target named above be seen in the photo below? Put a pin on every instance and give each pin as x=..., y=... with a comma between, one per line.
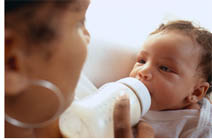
x=122, y=126
x=144, y=130
x=121, y=117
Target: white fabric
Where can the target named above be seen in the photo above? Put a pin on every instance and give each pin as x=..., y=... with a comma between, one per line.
x=188, y=123
x=84, y=87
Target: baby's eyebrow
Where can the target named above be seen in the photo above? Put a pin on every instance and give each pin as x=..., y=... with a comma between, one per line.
x=142, y=52
x=170, y=59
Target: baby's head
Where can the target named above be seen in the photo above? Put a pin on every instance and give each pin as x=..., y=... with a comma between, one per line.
x=175, y=63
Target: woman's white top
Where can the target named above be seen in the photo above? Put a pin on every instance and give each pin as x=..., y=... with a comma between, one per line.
x=187, y=123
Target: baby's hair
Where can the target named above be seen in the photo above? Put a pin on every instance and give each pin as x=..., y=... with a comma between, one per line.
x=199, y=35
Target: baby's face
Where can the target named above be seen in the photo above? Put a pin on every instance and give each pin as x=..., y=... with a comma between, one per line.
x=167, y=65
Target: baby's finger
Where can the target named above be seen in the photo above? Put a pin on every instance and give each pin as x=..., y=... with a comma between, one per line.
x=121, y=117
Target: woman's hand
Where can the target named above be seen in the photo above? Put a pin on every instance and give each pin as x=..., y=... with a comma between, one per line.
x=122, y=126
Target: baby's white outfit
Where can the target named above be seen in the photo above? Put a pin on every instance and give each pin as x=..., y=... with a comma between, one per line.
x=187, y=123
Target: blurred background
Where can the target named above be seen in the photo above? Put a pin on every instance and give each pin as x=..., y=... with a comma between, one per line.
x=130, y=21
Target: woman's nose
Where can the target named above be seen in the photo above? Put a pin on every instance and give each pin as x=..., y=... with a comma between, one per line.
x=87, y=35
x=145, y=74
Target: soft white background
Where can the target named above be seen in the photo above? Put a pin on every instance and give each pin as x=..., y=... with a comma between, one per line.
x=130, y=21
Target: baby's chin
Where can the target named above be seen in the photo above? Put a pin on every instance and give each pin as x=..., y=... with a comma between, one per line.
x=157, y=109
x=154, y=107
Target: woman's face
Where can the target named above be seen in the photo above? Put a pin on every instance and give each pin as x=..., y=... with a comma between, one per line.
x=58, y=61
x=67, y=55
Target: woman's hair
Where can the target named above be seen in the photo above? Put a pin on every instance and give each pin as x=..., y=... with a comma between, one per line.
x=35, y=30
x=12, y=5
x=199, y=35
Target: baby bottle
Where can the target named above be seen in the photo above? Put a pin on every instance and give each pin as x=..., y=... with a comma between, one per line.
x=92, y=116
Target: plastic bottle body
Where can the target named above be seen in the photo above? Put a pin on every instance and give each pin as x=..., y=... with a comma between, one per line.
x=92, y=116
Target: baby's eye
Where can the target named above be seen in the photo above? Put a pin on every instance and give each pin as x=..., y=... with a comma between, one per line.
x=166, y=69
x=142, y=61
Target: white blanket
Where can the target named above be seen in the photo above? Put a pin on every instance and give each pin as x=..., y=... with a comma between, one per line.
x=187, y=123
x=84, y=88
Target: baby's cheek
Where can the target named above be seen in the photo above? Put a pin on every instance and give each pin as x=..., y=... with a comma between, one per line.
x=162, y=96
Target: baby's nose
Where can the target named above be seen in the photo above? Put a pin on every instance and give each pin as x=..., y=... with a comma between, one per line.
x=144, y=75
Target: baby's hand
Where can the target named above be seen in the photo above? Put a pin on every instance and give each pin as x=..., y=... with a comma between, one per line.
x=122, y=126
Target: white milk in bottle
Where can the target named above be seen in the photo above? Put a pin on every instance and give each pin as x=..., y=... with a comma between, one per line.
x=92, y=116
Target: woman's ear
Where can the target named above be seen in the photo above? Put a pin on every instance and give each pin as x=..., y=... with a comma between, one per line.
x=15, y=81
x=198, y=93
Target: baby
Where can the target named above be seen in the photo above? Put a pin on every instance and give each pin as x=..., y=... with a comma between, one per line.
x=175, y=63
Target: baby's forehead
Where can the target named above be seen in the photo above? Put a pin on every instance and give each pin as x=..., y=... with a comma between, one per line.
x=172, y=38
x=172, y=44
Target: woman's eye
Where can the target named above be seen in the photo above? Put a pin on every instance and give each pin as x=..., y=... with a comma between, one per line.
x=166, y=69
x=142, y=61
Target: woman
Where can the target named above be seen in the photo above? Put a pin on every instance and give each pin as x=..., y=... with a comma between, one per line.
x=45, y=48
x=44, y=40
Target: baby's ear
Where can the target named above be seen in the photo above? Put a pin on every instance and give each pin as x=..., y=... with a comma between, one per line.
x=15, y=81
x=199, y=92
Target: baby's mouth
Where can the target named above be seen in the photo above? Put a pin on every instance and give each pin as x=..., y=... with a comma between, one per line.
x=150, y=94
x=138, y=77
